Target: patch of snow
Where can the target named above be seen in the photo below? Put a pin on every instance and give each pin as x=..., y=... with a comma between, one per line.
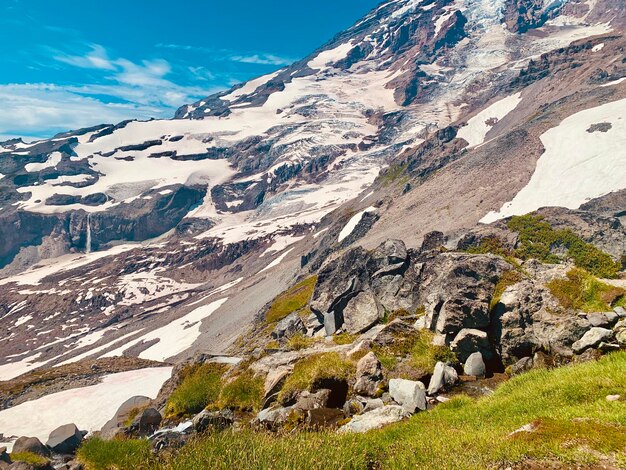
x=88, y=407
x=276, y=262
x=53, y=160
x=477, y=127
x=577, y=165
x=331, y=56
x=280, y=243
x=615, y=82
x=250, y=87
x=597, y=47
x=175, y=337
x=352, y=223
x=15, y=369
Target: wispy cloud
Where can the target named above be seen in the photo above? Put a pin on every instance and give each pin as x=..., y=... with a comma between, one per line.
x=97, y=58
x=232, y=56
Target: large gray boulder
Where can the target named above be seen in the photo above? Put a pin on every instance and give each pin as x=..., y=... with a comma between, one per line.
x=408, y=394
x=289, y=326
x=369, y=375
x=375, y=419
x=117, y=424
x=32, y=445
x=592, y=339
x=456, y=290
x=475, y=365
x=443, y=378
x=362, y=312
x=65, y=439
x=145, y=423
x=214, y=420
x=274, y=418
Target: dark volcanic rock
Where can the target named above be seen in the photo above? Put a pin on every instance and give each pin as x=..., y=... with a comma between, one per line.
x=65, y=439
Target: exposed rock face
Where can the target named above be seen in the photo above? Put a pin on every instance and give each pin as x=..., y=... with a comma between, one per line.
x=457, y=289
x=354, y=290
x=288, y=327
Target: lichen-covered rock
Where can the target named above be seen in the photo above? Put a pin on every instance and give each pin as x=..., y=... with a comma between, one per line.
x=443, y=378
x=288, y=327
x=592, y=338
x=32, y=445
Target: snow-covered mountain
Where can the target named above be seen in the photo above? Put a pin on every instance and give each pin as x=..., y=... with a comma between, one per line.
x=158, y=239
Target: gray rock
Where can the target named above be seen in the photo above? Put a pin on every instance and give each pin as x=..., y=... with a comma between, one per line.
x=146, y=422
x=215, y=420
x=620, y=311
x=523, y=365
x=369, y=375
x=32, y=445
x=443, y=377
x=288, y=327
x=592, y=339
x=475, y=365
x=354, y=406
x=408, y=394
x=319, y=418
x=469, y=341
x=4, y=456
x=168, y=440
x=373, y=404
x=65, y=439
x=116, y=425
x=604, y=320
x=312, y=401
x=375, y=419
x=273, y=418
x=273, y=383
x=362, y=312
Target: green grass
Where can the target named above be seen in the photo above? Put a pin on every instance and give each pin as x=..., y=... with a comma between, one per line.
x=30, y=458
x=299, y=341
x=538, y=239
x=96, y=454
x=425, y=355
x=244, y=393
x=308, y=372
x=508, y=278
x=344, y=338
x=491, y=244
x=200, y=386
x=575, y=426
x=292, y=300
x=582, y=291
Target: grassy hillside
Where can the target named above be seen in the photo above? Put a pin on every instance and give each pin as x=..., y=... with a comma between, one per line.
x=572, y=420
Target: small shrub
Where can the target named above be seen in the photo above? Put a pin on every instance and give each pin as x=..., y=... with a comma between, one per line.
x=310, y=371
x=292, y=300
x=200, y=387
x=299, y=341
x=582, y=291
x=244, y=393
x=491, y=244
x=344, y=338
x=273, y=344
x=96, y=454
x=538, y=238
x=508, y=278
x=29, y=458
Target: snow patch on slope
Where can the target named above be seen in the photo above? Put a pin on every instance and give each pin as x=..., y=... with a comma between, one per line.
x=479, y=126
x=88, y=407
x=577, y=165
x=352, y=223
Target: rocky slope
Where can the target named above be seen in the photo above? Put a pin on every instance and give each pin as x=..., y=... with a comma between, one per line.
x=163, y=239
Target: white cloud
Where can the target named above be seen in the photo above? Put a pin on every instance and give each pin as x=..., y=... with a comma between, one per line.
x=97, y=58
x=227, y=55
x=261, y=59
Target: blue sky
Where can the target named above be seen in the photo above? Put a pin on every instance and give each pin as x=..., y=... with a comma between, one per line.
x=67, y=64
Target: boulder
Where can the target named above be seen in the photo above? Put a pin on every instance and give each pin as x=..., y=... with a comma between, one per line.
x=312, y=401
x=168, y=440
x=65, y=439
x=4, y=456
x=117, y=424
x=443, y=377
x=361, y=312
x=273, y=383
x=369, y=375
x=216, y=420
x=354, y=406
x=475, y=365
x=620, y=311
x=146, y=422
x=375, y=419
x=288, y=327
x=592, y=339
x=273, y=418
x=469, y=341
x=32, y=445
x=456, y=290
x=408, y=394
x=603, y=320
x=324, y=417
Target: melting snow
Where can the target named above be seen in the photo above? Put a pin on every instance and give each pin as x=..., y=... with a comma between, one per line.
x=15, y=369
x=276, y=262
x=352, y=223
x=477, y=127
x=577, y=165
x=89, y=407
x=53, y=160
